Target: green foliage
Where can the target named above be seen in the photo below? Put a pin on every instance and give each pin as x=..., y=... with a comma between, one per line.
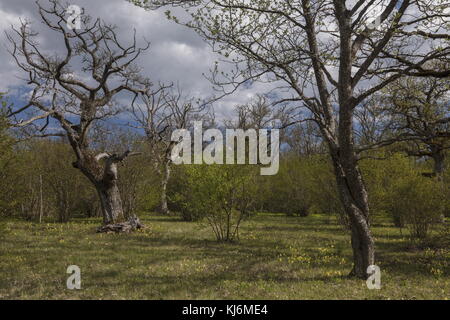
x=303, y=185
x=221, y=195
x=380, y=175
x=396, y=186
x=418, y=201
x=446, y=181
x=324, y=190
x=289, y=192
x=139, y=186
x=8, y=164
x=46, y=165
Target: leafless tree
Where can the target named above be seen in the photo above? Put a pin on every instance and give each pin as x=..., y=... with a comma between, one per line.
x=258, y=114
x=329, y=56
x=76, y=96
x=159, y=113
x=304, y=139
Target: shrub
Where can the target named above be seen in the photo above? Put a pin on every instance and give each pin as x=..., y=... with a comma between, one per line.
x=380, y=176
x=290, y=190
x=418, y=201
x=302, y=186
x=223, y=196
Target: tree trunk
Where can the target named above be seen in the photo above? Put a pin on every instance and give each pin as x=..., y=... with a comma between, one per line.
x=111, y=203
x=439, y=163
x=354, y=199
x=164, y=209
x=439, y=170
x=363, y=248
x=105, y=181
x=350, y=183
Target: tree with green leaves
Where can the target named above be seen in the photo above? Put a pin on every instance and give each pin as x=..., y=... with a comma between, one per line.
x=328, y=57
x=419, y=112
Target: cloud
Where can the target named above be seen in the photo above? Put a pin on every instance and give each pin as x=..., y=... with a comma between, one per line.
x=176, y=55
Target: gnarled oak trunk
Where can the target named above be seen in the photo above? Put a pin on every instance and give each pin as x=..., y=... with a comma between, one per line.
x=111, y=202
x=105, y=179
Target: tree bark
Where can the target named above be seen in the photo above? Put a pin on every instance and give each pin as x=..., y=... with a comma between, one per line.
x=164, y=209
x=105, y=181
x=363, y=248
x=439, y=163
x=351, y=187
x=111, y=203
x=354, y=199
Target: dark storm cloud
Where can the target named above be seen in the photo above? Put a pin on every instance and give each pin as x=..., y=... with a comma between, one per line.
x=176, y=54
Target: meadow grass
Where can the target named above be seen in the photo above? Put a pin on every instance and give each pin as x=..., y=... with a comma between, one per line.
x=277, y=257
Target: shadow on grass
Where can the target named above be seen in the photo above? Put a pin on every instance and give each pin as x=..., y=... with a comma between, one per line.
x=165, y=262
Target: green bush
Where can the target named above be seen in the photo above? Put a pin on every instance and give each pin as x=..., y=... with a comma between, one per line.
x=397, y=187
x=289, y=191
x=303, y=185
x=417, y=201
x=221, y=195
x=380, y=177
x=10, y=163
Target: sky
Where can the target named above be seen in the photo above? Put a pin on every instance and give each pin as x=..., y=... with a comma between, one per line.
x=176, y=54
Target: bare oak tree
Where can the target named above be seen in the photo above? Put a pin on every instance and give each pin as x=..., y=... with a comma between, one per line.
x=77, y=88
x=159, y=113
x=327, y=56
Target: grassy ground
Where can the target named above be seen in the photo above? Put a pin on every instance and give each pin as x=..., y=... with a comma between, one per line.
x=278, y=257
